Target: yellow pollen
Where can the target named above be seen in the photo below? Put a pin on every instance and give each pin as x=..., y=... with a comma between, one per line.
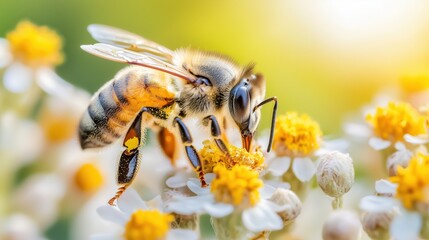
x=132, y=143
x=148, y=225
x=395, y=120
x=296, y=135
x=35, y=45
x=88, y=178
x=415, y=83
x=413, y=181
x=211, y=156
x=238, y=185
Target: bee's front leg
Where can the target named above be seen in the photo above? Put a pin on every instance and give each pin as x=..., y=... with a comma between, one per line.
x=192, y=154
x=216, y=134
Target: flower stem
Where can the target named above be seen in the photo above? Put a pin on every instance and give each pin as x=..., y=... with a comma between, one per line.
x=186, y=222
x=298, y=187
x=229, y=227
x=337, y=203
x=424, y=233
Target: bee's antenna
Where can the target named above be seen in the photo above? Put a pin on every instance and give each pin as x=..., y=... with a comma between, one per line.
x=273, y=118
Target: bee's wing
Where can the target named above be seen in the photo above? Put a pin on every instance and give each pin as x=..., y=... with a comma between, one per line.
x=144, y=59
x=127, y=40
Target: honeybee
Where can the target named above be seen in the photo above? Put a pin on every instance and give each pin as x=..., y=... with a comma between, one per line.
x=160, y=89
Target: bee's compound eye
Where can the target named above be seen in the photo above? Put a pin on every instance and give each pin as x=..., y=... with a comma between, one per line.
x=239, y=103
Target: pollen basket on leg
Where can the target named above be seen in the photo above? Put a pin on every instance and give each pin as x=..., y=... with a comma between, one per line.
x=132, y=144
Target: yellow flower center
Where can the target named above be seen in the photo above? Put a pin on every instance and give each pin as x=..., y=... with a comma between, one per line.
x=415, y=83
x=211, y=156
x=394, y=121
x=238, y=185
x=58, y=125
x=35, y=45
x=413, y=181
x=296, y=135
x=88, y=178
x=148, y=225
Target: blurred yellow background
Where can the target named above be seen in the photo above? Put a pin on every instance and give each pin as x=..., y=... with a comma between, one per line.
x=322, y=57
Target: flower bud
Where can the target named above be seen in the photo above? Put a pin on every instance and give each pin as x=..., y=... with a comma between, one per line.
x=291, y=202
x=376, y=224
x=335, y=173
x=341, y=225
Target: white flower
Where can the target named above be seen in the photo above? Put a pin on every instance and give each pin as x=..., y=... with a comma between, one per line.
x=392, y=123
x=303, y=168
x=19, y=227
x=405, y=224
x=21, y=140
x=39, y=196
x=26, y=54
x=260, y=217
x=128, y=205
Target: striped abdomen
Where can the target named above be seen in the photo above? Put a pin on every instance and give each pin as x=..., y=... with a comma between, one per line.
x=117, y=103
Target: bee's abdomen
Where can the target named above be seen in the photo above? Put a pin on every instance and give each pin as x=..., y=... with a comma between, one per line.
x=119, y=101
x=106, y=117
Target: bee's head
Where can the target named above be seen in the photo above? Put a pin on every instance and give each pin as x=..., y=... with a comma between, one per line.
x=243, y=99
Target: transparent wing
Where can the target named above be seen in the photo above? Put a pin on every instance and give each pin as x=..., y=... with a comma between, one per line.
x=144, y=59
x=127, y=40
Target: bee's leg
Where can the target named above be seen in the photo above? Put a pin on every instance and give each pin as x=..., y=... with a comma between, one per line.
x=192, y=154
x=130, y=159
x=216, y=134
x=168, y=143
x=225, y=127
x=273, y=118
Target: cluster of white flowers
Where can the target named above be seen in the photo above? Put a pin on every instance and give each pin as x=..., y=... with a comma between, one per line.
x=304, y=189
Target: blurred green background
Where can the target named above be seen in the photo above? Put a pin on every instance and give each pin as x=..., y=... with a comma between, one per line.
x=322, y=57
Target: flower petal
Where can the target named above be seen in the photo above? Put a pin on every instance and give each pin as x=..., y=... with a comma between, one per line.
x=54, y=85
x=339, y=144
x=112, y=214
x=218, y=210
x=420, y=139
x=181, y=234
x=208, y=176
x=378, y=143
x=188, y=205
x=17, y=78
x=406, y=226
x=266, y=191
x=5, y=56
x=261, y=217
x=400, y=146
x=304, y=168
x=279, y=165
x=277, y=184
x=178, y=180
x=377, y=204
x=131, y=201
x=385, y=187
x=195, y=186
x=155, y=203
x=275, y=206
